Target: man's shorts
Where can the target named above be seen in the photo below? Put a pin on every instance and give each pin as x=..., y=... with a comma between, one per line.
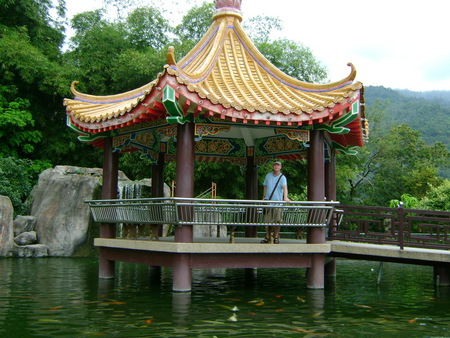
x=273, y=215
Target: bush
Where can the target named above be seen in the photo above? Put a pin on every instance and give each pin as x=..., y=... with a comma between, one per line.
x=437, y=198
x=17, y=178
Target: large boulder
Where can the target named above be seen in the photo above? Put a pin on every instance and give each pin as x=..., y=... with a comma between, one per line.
x=63, y=221
x=26, y=238
x=6, y=226
x=24, y=224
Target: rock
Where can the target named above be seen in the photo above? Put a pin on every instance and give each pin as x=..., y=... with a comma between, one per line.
x=24, y=224
x=26, y=238
x=34, y=250
x=63, y=220
x=6, y=226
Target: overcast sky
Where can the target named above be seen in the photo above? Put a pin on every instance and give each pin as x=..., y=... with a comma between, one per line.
x=400, y=44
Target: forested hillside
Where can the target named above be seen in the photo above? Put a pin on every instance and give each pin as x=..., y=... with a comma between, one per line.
x=426, y=112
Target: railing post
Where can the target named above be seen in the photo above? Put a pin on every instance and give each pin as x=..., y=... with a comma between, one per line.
x=400, y=225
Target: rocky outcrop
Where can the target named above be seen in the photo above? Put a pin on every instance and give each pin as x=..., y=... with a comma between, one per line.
x=60, y=223
x=26, y=238
x=24, y=224
x=6, y=226
x=63, y=220
x=33, y=250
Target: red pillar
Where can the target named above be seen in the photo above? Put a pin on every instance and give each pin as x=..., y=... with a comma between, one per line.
x=109, y=191
x=316, y=192
x=182, y=276
x=185, y=173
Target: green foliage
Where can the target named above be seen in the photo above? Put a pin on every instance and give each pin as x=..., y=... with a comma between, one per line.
x=143, y=65
x=438, y=198
x=260, y=28
x=96, y=53
x=395, y=162
x=192, y=27
x=293, y=59
x=135, y=166
x=17, y=134
x=221, y=174
x=406, y=200
x=147, y=28
x=33, y=18
x=32, y=80
x=427, y=113
x=17, y=178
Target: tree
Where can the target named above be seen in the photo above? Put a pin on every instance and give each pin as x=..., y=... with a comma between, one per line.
x=394, y=163
x=192, y=28
x=17, y=133
x=45, y=32
x=17, y=177
x=437, y=198
x=32, y=79
x=146, y=27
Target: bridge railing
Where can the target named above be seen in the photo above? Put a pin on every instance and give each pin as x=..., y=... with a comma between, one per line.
x=396, y=226
x=197, y=211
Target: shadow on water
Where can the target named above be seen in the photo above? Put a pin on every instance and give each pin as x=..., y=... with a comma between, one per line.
x=63, y=296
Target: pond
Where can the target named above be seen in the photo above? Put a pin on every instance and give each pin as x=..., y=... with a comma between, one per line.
x=52, y=297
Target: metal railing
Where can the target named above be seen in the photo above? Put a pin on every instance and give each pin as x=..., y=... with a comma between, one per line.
x=195, y=211
x=396, y=226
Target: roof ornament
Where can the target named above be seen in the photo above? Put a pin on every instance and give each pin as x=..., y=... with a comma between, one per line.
x=236, y=4
x=228, y=7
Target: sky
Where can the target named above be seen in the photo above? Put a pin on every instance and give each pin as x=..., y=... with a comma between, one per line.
x=399, y=44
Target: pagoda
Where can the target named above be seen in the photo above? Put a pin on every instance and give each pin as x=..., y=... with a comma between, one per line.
x=224, y=101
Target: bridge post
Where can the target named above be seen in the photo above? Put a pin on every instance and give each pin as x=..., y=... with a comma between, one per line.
x=442, y=274
x=109, y=191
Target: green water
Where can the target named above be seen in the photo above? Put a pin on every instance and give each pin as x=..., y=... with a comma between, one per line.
x=54, y=297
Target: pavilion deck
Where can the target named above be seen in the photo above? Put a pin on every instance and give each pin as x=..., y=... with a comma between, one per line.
x=235, y=250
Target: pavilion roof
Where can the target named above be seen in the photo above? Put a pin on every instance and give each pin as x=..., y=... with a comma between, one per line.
x=223, y=75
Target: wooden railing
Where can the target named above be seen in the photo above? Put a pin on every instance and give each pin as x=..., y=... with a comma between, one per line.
x=396, y=226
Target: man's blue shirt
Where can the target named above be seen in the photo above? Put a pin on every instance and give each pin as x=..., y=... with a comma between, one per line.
x=270, y=181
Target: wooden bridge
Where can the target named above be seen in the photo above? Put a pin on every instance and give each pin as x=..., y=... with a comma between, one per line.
x=357, y=232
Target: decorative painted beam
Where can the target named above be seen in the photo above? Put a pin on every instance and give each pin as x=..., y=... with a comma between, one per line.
x=84, y=136
x=173, y=108
x=350, y=150
x=338, y=126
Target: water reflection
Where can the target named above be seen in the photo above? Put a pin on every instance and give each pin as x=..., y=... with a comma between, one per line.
x=53, y=297
x=181, y=305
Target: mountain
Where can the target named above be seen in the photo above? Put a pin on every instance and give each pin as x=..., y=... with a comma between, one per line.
x=427, y=112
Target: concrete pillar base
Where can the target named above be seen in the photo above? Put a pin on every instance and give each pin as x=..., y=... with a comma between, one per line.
x=182, y=274
x=106, y=267
x=315, y=275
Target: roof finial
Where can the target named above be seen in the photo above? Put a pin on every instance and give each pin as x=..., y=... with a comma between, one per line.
x=230, y=4
x=228, y=7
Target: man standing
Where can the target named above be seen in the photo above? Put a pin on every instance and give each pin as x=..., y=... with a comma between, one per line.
x=275, y=189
